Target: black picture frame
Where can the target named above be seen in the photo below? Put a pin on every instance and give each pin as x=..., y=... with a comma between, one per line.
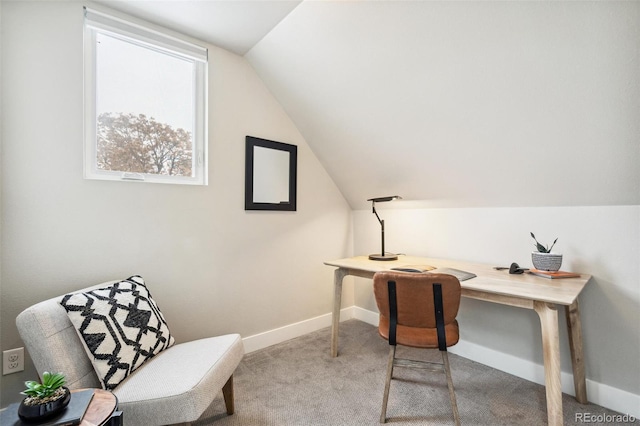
x=251, y=142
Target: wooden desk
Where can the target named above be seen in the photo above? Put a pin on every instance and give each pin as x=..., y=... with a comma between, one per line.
x=524, y=291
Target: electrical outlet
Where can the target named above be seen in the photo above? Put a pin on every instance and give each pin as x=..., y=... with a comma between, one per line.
x=12, y=361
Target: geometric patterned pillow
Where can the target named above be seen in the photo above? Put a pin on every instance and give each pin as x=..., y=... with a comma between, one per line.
x=120, y=327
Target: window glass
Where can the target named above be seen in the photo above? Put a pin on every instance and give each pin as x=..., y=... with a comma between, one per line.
x=145, y=107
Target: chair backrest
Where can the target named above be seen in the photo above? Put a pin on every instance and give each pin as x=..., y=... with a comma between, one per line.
x=415, y=297
x=53, y=343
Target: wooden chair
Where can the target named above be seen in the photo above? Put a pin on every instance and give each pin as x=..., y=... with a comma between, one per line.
x=418, y=310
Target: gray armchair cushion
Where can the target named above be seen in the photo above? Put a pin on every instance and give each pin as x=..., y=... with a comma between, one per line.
x=180, y=383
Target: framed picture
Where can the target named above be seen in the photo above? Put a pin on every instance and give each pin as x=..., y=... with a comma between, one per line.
x=270, y=175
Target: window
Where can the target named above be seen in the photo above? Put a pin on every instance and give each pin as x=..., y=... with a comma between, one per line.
x=145, y=103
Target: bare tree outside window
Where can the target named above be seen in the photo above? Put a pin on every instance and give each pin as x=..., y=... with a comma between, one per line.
x=138, y=144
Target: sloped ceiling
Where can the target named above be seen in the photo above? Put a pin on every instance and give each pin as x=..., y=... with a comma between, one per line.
x=465, y=103
x=451, y=103
x=234, y=25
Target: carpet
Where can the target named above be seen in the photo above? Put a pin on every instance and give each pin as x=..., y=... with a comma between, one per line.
x=297, y=383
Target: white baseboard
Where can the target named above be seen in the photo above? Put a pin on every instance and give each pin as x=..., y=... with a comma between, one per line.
x=598, y=393
x=365, y=315
x=288, y=332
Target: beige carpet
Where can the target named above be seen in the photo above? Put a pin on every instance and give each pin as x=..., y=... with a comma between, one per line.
x=298, y=383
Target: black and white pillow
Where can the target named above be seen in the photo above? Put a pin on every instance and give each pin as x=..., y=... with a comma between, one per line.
x=120, y=326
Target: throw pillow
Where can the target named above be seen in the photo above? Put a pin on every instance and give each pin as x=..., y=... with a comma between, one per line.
x=121, y=327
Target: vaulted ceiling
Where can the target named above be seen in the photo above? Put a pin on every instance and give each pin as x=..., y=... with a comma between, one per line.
x=235, y=25
x=446, y=103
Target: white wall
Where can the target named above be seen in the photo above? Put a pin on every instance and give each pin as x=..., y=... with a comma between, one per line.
x=601, y=241
x=213, y=267
x=1, y=222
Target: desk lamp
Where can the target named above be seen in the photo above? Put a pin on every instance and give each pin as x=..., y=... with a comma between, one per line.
x=382, y=255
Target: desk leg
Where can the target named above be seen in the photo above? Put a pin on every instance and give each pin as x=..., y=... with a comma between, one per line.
x=338, y=275
x=551, y=352
x=572, y=312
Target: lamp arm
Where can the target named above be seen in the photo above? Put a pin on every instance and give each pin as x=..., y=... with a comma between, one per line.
x=373, y=207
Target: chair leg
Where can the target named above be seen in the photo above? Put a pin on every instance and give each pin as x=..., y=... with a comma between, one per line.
x=452, y=394
x=227, y=393
x=385, y=398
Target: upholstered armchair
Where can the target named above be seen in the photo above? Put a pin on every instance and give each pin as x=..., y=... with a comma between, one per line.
x=163, y=383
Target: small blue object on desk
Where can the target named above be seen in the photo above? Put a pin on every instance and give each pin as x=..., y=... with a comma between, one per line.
x=407, y=270
x=460, y=275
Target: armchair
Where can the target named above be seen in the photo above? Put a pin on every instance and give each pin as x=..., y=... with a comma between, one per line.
x=174, y=386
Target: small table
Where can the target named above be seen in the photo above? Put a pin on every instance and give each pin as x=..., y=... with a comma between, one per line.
x=101, y=408
x=523, y=291
x=103, y=405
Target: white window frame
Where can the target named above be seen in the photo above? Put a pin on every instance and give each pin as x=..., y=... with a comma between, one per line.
x=147, y=36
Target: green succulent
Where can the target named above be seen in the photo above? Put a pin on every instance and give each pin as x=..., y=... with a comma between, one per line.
x=540, y=247
x=50, y=383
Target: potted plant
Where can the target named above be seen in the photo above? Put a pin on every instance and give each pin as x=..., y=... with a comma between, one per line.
x=543, y=259
x=44, y=399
